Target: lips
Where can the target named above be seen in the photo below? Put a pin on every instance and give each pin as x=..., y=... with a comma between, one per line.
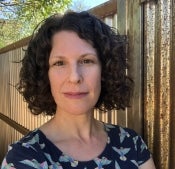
x=75, y=95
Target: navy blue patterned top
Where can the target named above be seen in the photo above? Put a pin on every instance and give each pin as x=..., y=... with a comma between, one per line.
x=124, y=150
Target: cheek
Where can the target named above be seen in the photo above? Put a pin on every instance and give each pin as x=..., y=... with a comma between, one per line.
x=96, y=79
x=54, y=79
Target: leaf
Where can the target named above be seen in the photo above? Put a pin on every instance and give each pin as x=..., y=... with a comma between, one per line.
x=20, y=17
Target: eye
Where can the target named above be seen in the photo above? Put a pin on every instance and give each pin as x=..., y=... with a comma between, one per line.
x=59, y=63
x=86, y=61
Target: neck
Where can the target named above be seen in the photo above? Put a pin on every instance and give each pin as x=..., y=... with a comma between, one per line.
x=78, y=126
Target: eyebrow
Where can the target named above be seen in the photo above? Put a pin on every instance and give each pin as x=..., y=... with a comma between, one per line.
x=81, y=56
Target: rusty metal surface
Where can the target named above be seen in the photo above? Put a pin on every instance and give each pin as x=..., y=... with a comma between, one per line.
x=159, y=67
x=172, y=93
x=149, y=72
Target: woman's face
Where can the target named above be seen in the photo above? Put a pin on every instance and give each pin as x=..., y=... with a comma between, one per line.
x=74, y=73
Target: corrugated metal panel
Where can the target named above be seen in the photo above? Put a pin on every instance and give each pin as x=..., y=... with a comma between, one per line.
x=160, y=80
x=15, y=108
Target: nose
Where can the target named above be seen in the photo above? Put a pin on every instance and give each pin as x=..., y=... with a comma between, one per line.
x=75, y=75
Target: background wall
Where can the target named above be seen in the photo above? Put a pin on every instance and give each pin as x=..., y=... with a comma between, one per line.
x=159, y=80
x=150, y=27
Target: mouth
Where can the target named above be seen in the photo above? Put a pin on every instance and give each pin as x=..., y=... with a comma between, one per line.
x=75, y=95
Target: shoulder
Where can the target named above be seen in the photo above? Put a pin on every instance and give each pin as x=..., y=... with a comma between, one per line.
x=127, y=141
x=29, y=142
x=123, y=135
x=116, y=129
x=26, y=150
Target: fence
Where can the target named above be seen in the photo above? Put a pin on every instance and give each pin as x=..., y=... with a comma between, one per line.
x=159, y=80
x=150, y=27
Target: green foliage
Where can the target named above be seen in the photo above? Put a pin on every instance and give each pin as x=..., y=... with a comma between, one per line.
x=20, y=17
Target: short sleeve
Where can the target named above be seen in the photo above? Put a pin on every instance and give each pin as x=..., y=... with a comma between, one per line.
x=129, y=149
x=20, y=157
x=143, y=154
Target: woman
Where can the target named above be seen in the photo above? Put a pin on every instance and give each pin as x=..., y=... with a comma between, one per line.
x=73, y=64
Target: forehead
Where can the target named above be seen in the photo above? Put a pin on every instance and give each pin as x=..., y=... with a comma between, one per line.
x=67, y=42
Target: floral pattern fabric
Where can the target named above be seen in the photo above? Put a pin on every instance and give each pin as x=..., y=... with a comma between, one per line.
x=124, y=150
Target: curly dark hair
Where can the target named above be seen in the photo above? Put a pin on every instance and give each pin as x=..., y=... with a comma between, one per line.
x=116, y=86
